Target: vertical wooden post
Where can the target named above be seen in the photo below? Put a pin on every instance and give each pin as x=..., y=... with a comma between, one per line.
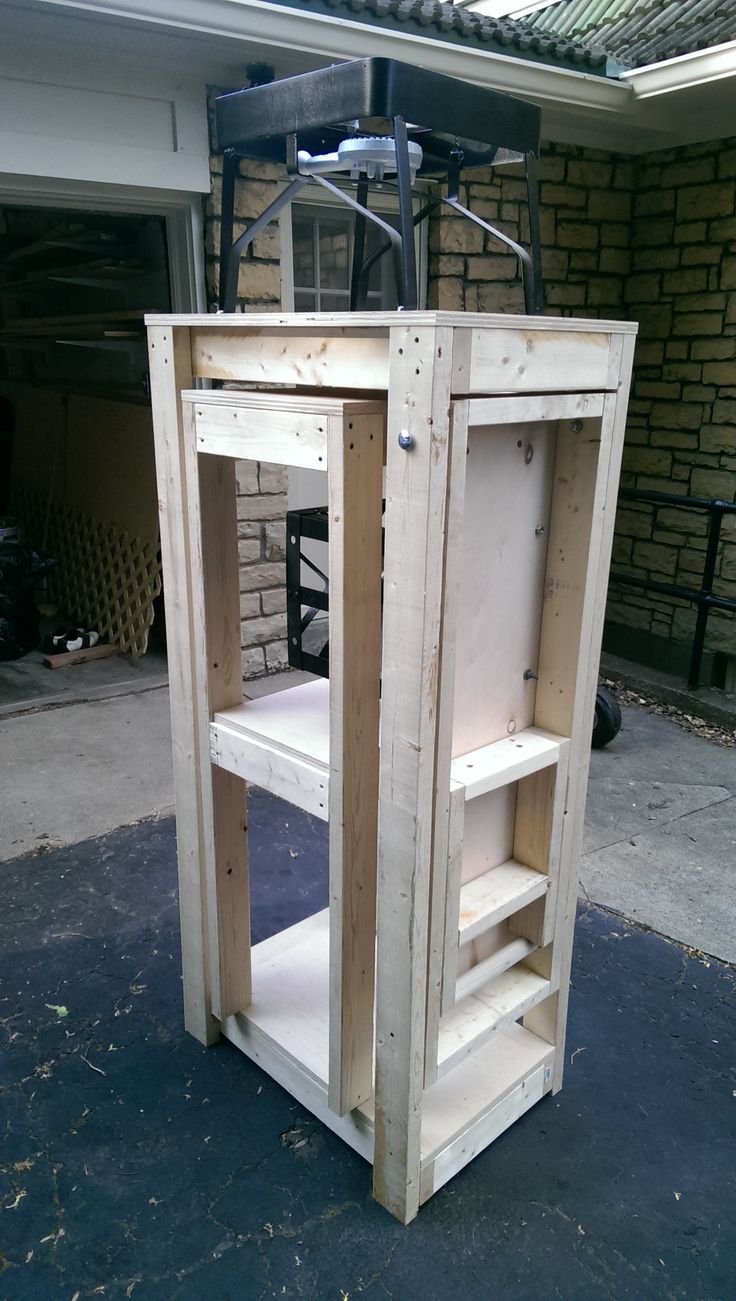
x=420, y=368
x=216, y=592
x=171, y=371
x=587, y=464
x=354, y=472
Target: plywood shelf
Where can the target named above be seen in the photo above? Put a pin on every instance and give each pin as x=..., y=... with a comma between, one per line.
x=506, y=761
x=286, y=1031
x=279, y=742
x=495, y=895
x=481, y=1014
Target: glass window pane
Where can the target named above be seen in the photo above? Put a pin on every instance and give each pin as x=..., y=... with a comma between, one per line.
x=305, y=301
x=303, y=239
x=335, y=239
x=334, y=302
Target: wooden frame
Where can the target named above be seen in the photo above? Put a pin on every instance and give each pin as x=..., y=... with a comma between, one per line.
x=457, y=845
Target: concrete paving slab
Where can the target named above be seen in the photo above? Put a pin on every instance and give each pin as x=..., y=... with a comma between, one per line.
x=660, y=839
x=79, y=771
x=27, y=684
x=679, y=878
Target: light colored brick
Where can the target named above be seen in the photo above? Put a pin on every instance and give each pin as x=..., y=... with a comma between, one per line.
x=256, y=632
x=260, y=507
x=249, y=549
x=713, y=349
x=256, y=578
x=253, y=662
x=577, y=235
x=646, y=460
x=446, y=236
x=718, y=438
x=581, y=171
x=676, y=415
x=705, y=201
x=703, y=255
x=653, y=202
x=690, y=173
x=274, y=540
x=446, y=295
x=253, y=197
x=563, y=196
x=259, y=281
x=273, y=478
x=501, y=267
x=655, y=558
x=652, y=230
x=690, y=232
x=714, y=483
x=274, y=601
x=250, y=605
x=246, y=477
x=642, y=289
x=609, y=205
x=685, y=281
x=698, y=323
x=277, y=657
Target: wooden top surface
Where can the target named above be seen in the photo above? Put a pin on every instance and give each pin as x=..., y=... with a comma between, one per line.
x=275, y=400
x=313, y=322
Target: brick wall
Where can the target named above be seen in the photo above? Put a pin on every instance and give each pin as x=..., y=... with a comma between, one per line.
x=262, y=489
x=651, y=239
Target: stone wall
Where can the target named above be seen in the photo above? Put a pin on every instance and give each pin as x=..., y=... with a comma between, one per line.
x=681, y=435
x=262, y=489
x=651, y=239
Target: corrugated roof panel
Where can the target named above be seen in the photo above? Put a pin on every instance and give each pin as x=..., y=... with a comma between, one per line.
x=637, y=32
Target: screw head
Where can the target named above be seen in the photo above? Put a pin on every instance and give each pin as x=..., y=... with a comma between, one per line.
x=576, y=426
x=406, y=440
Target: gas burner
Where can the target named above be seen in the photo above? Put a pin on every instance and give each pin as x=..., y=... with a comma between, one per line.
x=369, y=156
x=301, y=121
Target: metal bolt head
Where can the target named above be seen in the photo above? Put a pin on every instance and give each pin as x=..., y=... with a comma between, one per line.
x=576, y=426
x=406, y=440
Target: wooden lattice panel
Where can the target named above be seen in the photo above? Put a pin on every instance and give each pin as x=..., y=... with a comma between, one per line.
x=105, y=578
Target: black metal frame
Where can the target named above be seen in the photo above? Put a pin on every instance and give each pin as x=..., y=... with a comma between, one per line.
x=306, y=523
x=268, y=121
x=703, y=597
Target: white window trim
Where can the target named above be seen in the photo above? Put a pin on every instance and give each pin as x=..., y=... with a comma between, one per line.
x=182, y=213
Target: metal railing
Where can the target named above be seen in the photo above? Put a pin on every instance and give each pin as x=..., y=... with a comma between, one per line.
x=704, y=598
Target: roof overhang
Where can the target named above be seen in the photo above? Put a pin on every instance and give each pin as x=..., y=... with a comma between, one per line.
x=681, y=101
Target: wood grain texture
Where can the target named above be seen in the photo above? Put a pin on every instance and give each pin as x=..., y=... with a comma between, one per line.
x=448, y=813
x=416, y=505
x=171, y=371
x=354, y=479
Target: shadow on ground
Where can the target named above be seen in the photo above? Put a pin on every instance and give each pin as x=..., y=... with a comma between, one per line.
x=134, y=1163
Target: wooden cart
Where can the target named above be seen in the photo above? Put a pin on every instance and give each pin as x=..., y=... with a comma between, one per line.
x=424, y=1011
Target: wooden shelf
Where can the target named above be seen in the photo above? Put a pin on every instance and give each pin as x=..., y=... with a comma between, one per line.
x=502, y=762
x=286, y=1031
x=503, y=999
x=279, y=742
x=495, y=895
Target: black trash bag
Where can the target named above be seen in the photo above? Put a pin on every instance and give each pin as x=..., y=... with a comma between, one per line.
x=20, y=570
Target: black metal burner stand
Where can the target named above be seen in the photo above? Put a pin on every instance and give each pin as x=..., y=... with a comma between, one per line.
x=458, y=126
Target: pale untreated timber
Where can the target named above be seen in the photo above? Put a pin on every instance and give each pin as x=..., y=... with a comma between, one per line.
x=354, y=480
x=416, y=506
x=171, y=371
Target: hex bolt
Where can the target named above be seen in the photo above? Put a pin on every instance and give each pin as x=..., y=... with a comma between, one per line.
x=406, y=440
